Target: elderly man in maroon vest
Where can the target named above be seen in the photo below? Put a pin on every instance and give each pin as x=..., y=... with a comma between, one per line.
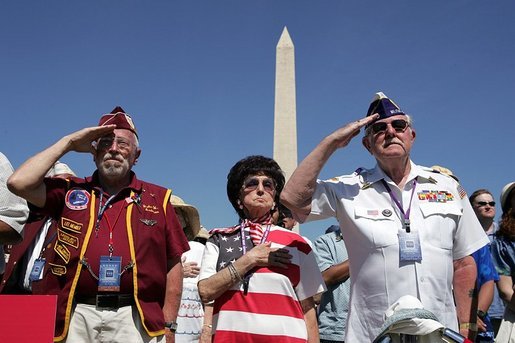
x=115, y=261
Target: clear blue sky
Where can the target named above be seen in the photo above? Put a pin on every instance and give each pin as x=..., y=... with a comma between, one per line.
x=198, y=79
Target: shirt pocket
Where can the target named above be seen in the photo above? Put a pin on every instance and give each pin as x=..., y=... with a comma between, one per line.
x=440, y=220
x=376, y=227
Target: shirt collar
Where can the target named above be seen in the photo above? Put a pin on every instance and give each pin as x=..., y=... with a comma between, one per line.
x=377, y=174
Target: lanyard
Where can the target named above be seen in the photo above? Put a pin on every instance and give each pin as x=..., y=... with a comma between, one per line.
x=263, y=238
x=398, y=204
x=101, y=210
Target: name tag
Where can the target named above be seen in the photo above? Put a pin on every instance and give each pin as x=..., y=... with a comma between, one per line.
x=37, y=270
x=409, y=246
x=109, y=274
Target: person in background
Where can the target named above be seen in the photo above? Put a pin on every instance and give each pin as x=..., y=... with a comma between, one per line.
x=285, y=217
x=486, y=273
x=408, y=230
x=115, y=265
x=261, y=277
x=333, y=262
x=13, y=211
x=504, y=259
x=483, y=203
x=25, y=258
x=191, y=311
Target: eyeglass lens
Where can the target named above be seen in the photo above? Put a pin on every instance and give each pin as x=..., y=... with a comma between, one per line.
x=399, y=125
x=253, y=183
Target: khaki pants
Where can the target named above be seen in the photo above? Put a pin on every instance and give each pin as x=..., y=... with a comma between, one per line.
x=88, y=325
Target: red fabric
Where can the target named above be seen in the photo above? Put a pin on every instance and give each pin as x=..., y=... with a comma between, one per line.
x=229, y=336
x=30, y=232
x=118, y=117
x=154, y=245
x=263, y=303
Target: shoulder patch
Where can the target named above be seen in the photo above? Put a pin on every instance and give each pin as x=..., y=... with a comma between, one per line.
x=77, y=199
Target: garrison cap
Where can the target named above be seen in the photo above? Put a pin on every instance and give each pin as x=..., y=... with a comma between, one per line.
x=384, y=106
x=118, y=117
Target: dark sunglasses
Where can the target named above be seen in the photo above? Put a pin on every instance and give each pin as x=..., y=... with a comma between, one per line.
x=252, y=184
x=399, y=125
x=484, y=203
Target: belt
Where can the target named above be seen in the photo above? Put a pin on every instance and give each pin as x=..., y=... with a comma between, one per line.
x=106, y=301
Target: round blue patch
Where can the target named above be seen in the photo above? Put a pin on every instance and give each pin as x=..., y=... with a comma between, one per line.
x=77, y=199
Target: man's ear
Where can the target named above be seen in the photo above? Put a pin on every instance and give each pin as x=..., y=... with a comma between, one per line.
x=138, y=153
x=366, y=143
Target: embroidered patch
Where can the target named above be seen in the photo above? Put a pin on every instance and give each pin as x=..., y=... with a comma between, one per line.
x=77, y=199
x=435, y=196
x=62, y=251
x=372, y=212
x=71, y=225
x=57, y=269
x=151, y=208
x=461, y=192
x=148, y=222
x=66, y=238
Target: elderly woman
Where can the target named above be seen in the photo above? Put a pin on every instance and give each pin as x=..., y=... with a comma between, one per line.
x=261, y=277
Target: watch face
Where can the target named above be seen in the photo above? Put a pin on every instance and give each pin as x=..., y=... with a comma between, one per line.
x=172, y=326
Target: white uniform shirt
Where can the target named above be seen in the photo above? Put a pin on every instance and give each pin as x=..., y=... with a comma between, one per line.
x=370, y=222
x=13, y=209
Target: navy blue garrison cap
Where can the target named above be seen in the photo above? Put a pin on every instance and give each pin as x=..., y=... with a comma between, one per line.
x=384, y=106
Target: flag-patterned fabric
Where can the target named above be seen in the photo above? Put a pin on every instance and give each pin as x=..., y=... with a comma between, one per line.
x=271, y=308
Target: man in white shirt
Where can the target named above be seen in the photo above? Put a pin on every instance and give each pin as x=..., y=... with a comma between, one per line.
x=408, y=229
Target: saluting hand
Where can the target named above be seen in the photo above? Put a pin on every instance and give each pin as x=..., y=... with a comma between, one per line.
x=81, y=141
x=345, y=134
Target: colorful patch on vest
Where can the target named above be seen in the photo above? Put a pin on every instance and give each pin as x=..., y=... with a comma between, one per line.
x=62, y=251
x=66, y=238
x=71, y=225
x=435, y=196
x=151, y=208
x=57, y=269
x=77, y=199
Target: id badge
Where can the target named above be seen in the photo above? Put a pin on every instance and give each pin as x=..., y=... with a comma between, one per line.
x=37, y=270
x=409, y=246
x=109, y=274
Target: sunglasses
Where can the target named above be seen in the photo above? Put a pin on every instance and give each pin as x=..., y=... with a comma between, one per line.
x=484, y=203
x=252, y=184
x=399, y=125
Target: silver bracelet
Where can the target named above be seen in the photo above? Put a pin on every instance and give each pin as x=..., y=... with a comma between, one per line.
x=235, y=276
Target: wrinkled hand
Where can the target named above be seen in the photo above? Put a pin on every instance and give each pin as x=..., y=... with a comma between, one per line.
x=81, y=141
x=263, y=255
x=190, y=269
x=345, y=134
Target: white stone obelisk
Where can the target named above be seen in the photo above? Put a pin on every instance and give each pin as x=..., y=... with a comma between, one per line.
x=285, y=109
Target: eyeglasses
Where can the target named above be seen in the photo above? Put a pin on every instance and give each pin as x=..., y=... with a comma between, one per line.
x=106, y=142
x=399, y=125
x=252, y=184
x=484, y=203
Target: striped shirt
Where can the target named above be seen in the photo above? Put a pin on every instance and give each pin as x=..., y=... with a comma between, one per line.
x=271, y=309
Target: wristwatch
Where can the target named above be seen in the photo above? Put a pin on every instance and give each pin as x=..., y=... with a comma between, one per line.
x=171, y=325
x=481, y=314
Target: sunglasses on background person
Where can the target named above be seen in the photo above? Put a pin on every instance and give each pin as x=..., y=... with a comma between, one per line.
x=252, y=184
x=399, y=125
x=484, y=203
